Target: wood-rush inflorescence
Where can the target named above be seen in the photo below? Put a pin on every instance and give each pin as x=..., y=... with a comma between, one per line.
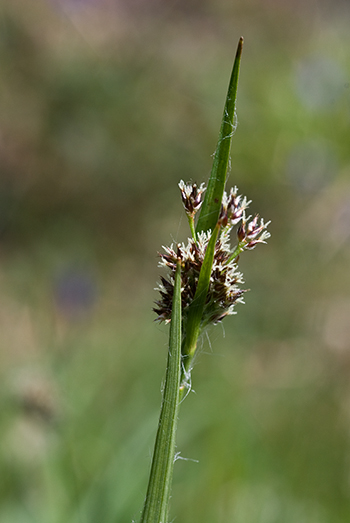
x=224, y=287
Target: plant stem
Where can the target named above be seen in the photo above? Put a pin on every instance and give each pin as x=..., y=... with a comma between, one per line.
x=158, y=493
x=236, y=252
x=192, y=227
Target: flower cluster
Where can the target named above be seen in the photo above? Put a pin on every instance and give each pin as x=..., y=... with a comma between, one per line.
x=250, y=233
x=232, y=208
x=191, y=197
x=223, y=288
x=225, y=280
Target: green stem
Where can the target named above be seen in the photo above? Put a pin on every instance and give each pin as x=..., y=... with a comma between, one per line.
x=192, y=227
x=158, y=493
x=236, y=252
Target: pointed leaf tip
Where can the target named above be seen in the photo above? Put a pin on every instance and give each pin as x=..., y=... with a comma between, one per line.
x=210, y=210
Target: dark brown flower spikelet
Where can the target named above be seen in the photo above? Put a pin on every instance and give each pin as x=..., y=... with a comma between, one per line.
x=223, y=291
x=191, y=196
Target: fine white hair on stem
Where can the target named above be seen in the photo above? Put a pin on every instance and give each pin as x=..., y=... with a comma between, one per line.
x=187, y=381
x=209, y=342
x=179, y=457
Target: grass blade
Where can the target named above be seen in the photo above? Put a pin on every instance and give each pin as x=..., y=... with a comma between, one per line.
x=212, y=202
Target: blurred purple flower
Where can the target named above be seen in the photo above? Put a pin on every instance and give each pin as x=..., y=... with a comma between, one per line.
x=75, y=293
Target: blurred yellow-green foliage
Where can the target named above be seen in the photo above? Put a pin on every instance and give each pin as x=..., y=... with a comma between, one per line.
x=105, y=105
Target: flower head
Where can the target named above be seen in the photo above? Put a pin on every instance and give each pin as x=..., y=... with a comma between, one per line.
x=224, y=289
x=232, y=207
x=191, y=197
x=250, y=233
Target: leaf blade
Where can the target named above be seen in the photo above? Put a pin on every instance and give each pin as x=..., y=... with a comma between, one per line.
x=210, y=210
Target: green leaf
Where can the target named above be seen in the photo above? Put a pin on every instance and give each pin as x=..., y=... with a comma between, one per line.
x=196, y=308
x=213, y=196
x=157, y=499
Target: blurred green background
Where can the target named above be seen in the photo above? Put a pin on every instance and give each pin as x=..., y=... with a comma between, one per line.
x=105, y=105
